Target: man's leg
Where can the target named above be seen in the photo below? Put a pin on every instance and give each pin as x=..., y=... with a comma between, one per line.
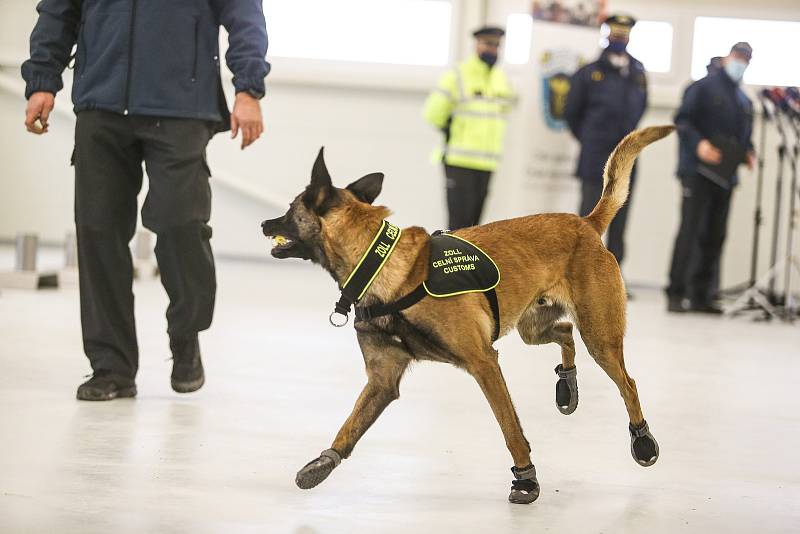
x=694, y=205
x=177, y=209
x=615, y=241
x=460, y=195
x=108, y=176
x=481, y=191
x=590, y=195
x=711, y=241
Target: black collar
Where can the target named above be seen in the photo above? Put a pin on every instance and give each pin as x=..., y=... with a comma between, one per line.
x=366, y=270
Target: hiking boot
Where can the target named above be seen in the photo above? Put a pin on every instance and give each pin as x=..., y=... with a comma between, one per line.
x=105, y=385
x=187, y=367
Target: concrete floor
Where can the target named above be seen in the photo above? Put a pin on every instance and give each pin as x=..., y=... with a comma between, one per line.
x=720, y=396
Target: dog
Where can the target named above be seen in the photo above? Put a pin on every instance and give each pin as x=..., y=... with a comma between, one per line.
x=554, y=268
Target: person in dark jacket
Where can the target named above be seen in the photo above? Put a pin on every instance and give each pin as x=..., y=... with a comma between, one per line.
x=606, y=100
x=146, y=88
x=713, y=108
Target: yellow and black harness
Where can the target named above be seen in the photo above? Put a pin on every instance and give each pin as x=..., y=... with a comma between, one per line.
x=455, y=267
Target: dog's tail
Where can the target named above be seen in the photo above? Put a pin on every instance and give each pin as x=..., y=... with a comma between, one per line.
x=617, y=174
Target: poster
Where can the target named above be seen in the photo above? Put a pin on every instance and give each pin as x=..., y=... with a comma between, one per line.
x=577, y=12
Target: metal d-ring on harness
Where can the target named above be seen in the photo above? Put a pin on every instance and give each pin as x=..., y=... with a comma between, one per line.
x=367, y=270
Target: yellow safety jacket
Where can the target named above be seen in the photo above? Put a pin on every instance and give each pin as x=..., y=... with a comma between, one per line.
x=475, y=98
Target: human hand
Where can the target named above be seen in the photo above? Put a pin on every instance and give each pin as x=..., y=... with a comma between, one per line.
x=40, y=104
x=708, y=152
x=246, y=117
x=751, y=160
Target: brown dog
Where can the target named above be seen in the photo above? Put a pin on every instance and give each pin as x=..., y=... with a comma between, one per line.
x=553, y=265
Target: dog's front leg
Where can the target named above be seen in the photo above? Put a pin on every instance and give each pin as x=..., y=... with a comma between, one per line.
x=385, y=364
x=486, y=371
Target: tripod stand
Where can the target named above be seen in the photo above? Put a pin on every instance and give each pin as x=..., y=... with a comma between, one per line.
x=754, y=298
x=768, y=301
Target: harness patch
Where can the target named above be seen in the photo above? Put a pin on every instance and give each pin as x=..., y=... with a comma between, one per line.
x=456, y=266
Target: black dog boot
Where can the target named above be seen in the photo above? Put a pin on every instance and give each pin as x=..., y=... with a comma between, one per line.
x=187, y=367
x=524, y=487
x=644, y=446
x=566, y=389
x=105, y=385
x=317, y=470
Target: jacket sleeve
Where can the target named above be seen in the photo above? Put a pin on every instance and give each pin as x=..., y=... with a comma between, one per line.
x=440, y=103
x=576, y=99
x=247, y=42
x=51, y=41
x=687, y=116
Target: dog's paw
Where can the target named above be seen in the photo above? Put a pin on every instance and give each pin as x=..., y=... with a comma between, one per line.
x=524, y=487
x=317, y=470
x=566, y=389
x=644, y=447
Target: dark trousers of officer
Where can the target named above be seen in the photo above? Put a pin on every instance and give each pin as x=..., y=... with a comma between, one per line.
x=591, y=190
x=466, y=193
x=109, y=151
x=704, y=221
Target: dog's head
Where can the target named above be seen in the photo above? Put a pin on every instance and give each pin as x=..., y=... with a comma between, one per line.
x=320, y=203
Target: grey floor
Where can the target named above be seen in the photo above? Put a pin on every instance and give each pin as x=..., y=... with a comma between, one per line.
x=721, y=396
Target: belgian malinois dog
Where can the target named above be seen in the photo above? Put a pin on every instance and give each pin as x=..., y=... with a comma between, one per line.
x=554, y=267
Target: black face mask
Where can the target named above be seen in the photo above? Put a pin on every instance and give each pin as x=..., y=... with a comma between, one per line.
x=488, y=58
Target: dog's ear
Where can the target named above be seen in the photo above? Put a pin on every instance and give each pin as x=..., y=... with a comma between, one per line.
x=367, y=188
x=320, y=193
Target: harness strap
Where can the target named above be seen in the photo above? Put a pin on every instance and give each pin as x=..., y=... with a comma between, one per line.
x=365, y=313
x=491, y=296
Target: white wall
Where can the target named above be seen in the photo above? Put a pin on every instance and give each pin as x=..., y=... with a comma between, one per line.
x=369, y=120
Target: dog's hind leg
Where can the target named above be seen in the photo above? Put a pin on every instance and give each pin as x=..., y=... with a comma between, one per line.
x=486, y=371
x=385, y=364
x=599, y=310
x=536, y=327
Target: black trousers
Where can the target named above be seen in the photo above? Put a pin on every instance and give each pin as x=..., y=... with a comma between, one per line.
x=591, y=190
x=698, y=245
x=109, y=151
x=466, y=193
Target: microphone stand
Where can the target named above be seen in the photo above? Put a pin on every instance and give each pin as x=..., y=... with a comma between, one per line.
x=754, y=298
x=789, y=311
x=782, y=149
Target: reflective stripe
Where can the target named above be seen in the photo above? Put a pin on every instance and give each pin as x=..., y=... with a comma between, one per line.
x=472, y=153
x=487, y=99
x=480, y=114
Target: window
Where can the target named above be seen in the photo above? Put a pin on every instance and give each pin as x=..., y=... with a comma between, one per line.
x=651, y=43
x=519, y=27
x=774, y=45
x=403, y=32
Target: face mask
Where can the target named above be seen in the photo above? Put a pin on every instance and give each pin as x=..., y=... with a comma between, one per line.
x=488, y=58
x=735, y=68
x=617, y=47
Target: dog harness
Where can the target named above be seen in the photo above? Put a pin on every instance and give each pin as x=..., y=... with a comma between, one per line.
x=455, y=267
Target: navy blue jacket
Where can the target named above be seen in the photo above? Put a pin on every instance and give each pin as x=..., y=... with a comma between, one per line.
x=148, y=57
x=603, y=106
x=712, y=106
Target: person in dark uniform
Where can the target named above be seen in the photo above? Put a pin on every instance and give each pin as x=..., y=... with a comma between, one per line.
x=146, y=88
x=606, y=100
x=713, y=108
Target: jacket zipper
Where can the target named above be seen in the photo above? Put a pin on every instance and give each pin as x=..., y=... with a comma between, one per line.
x=130, y=58
x=194, y=59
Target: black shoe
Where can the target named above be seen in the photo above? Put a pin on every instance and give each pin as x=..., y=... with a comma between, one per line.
x=675, y=305
x=187, y=367
x=105, y=385
x=706, y=307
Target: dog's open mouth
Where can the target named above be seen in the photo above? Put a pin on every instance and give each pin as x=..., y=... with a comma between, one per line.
x=281, y=245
